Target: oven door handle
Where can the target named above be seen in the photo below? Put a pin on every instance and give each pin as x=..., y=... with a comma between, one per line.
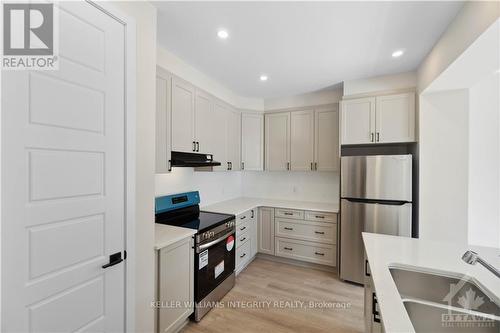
x=218, y=240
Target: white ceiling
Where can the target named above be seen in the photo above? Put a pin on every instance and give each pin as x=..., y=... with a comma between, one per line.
x=301, y=46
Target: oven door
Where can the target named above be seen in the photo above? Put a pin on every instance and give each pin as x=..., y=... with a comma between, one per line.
x=214, y=262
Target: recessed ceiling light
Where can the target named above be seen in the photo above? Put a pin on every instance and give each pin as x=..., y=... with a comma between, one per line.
x=263, y=77
x=397, y=53
x=223, y=34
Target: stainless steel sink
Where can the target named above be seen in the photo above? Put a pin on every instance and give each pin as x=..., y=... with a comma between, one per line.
x=446, y=302
x=426, y=317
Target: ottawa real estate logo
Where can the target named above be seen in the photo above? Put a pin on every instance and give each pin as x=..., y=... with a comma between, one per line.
x=30, y=36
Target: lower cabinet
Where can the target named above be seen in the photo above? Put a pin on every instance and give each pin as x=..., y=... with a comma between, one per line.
x=246, y=239
x=373, y=322
x=317, y=253
x=175, y=285
x=265, y=230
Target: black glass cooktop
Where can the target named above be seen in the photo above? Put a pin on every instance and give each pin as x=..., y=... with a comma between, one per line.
x=193, y=218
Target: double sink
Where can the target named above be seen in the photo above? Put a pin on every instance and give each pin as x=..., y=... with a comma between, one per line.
x=446, y=302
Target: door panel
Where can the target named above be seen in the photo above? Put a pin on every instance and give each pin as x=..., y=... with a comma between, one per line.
x=326, y=147
x=233, y=129
x=381, y=177
x=219, y=135
x=277, y=140
x=163, y=121
x=265, y=230
x=252, y=141
x=204, y=121
x=183, y=96
x=63, y=182
x=302, y=140
x=395, y=118
x=358, y=121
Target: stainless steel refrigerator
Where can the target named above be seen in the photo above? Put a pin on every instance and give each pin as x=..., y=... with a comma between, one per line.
x=376, y=196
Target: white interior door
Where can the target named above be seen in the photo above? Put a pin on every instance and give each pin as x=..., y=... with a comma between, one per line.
x=183, y=95
x=252, y=141
x=326, y=134
x=302, y=140
x=277, y=139
x=358, y=121
x=395, y=118
x=63, y=183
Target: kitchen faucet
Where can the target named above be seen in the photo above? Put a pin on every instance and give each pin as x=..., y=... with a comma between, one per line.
x=472, y=258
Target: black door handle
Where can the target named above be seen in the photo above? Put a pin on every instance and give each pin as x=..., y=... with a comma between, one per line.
x=114, y=259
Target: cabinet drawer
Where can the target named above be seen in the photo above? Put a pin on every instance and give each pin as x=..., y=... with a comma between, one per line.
x=244, y=217
x=307, y=230
x=242, y=238
x=321, y=216
x=289, y=213
x=242, y=254
x=318, y=253
x=242, y=228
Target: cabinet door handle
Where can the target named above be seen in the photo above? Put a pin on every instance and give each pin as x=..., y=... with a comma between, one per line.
x=194, y=145
x=319, y=253
x=312, y=166
x=288, y=213
x=366, y=268
x=242, y=165
x=243, y=217
x=316, y=166
x=319, y=232
x=375, y=313
x=197, y=146
x=230, y=165
x=244, y=254
x=169, y=165
x=378, y=137
x=287, y=228
x=371, y=137
x=288, y=248
x=241, y=229
x=227, y=166
x=243, y=239
x=320, y=216
x=252, y=216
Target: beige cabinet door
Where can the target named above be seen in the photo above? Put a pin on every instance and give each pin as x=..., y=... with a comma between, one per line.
x=395, y=118
x=233, y=144
x=163, y=121
x=357, y=121
x=326, y=146
x=277, y=141
x=183, y=95
x=204, y=122
x=265, y=230
x=252, y=141
x=219, y=135
x=302, y=140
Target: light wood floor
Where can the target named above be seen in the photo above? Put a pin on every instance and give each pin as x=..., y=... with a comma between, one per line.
x=265, y=280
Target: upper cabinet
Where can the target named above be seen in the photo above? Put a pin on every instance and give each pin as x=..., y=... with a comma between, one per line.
x=395, y=118
x=219, y=134
x=163, y=121
x=277, y=141
x=381, y=119
x=233, y=139
x=302, y=140
x=203, y=134
x=252, y=141
x=326, y=139
x=183, y=97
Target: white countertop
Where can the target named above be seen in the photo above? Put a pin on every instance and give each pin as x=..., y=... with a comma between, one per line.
x=385, y=251
x=166, y=235
x=241, y=205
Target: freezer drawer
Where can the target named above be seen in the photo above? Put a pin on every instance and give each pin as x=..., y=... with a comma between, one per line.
x=356, y=217
x=381, y=177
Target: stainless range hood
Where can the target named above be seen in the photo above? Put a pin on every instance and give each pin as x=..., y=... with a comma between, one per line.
x=193, y=160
